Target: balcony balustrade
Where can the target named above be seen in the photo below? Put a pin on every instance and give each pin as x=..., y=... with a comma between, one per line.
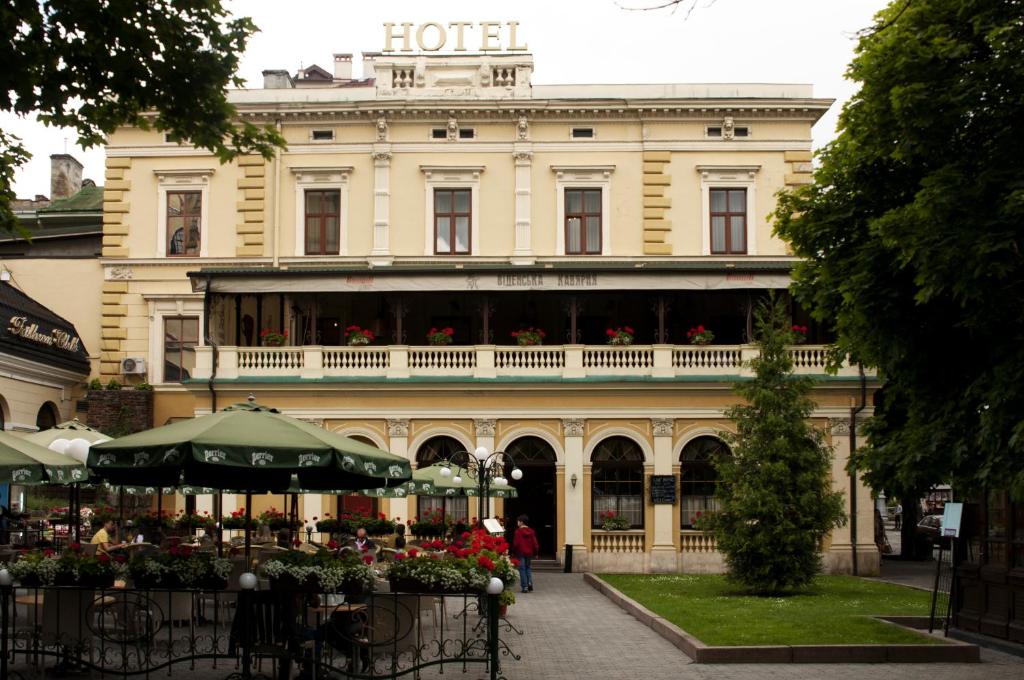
x=314, y=362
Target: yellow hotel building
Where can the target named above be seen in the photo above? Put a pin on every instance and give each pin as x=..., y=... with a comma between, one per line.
x=448, y=191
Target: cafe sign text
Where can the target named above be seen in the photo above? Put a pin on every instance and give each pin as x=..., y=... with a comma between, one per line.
x=21, y=327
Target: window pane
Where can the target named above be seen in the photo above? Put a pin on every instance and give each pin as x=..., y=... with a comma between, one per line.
x=737, y=200
x=331, y=234
x=573, y=201
x=181, y=335
x=312, y=235
x=313, y=202
x=442, y=201
x=190, y=331
x=717, y=200
x=573, y=242
x=332, y=202
x=462, y=234
x=176, y=235
x=717, y=234
x=174, y=203
x=593, y=234
x=592, y=201
x=444, y=234
x=738, y=234
x=193, y=202
x=462, y=201
x=192, y=239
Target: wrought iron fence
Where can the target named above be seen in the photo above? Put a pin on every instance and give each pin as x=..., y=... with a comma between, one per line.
x=271, y=632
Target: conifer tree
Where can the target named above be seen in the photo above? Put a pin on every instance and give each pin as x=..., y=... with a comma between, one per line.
x=776, y=501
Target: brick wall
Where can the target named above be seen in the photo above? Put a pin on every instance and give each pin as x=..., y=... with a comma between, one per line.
x=120, y=412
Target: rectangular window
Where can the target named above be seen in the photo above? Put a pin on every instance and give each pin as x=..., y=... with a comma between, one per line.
x=456, y=510
x=714, y=131
x=439, y=133
x=181, y=335
x=582, y=221
x=184, y=213
x=741, y=132
x=582, y=133
x=323, y=135
x=728, y=221
x=323, y=210
x=452, y=216
x=467, y=133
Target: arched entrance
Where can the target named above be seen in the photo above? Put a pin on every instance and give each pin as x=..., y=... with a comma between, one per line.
x=537, y=498
x=455, y=508
x=47, y=417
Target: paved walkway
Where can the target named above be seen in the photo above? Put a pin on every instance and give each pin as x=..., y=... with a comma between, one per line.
x=574, y=632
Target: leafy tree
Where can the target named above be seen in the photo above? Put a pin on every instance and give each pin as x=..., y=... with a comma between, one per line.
x=775, y=499
x=912, y=241
x=94, y=66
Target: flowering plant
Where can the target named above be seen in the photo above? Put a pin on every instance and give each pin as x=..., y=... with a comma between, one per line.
x=44, y=568
x=359, y=336
x=236, y=520
x=276, y=520
x=321, y=571
x=100, y=516
x=180, y=566
x=799, y=334
x=433, y=523
x=441, y=336
x=193, y=520
x=465, y=564
x=700, y=335
x=701, y=520
x=620, y=335
x=529, y=336
x=349, y=522
x=611, y=521
x=271, y=338
x=151, y=521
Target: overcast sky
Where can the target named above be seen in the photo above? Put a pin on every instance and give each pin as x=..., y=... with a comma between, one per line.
x=572, y=41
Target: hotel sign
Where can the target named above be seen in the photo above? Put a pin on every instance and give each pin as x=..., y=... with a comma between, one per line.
x=21, y=327
x=491, y=36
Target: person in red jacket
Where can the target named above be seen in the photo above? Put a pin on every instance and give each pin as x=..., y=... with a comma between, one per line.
x=525, y=548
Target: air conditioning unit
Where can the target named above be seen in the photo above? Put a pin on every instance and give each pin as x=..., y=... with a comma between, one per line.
x=133, y=366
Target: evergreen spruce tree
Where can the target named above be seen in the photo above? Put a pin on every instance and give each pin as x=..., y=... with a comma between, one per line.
x=776, y=502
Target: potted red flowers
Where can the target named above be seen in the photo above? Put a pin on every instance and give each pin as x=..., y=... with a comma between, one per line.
x=439, y=337
x=700, y=335
x=271, y=338
x=799, y=334
x=620, y=335
x=359, y=336
x=529, y=336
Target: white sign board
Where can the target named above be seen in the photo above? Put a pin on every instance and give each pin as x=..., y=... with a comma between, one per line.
x=493, y=526
x=951, y=514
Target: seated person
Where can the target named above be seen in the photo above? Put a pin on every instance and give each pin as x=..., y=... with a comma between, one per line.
x=263, y=535
x=103, y=540
x=284, y=539
x=361, y=542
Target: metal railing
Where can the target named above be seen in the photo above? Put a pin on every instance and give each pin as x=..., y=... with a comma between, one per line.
x=126, y=632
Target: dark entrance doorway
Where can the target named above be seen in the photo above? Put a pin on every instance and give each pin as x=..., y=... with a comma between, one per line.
x=536, y=490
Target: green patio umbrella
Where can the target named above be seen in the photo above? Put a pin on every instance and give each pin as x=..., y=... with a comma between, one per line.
x=24, y=462
x=428, y=481
x=70, y=429
x=245, y=446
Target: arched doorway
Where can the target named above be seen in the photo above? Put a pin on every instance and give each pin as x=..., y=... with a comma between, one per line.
x=358, y=504
x=536, y=491
x=617, y=481
x=48, y=417
x=698, y=478
x=455, y=508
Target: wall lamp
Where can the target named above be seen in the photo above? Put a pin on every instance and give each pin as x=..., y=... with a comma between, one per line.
x=573, y=480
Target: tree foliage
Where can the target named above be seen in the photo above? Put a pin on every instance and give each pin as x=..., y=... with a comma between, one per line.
x=911, y=239
x=776, y=504
x=94, y=66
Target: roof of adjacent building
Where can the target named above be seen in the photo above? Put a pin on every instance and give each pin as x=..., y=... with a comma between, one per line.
x=88, y=199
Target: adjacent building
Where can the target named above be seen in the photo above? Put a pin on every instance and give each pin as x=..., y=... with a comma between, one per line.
x=450, y=192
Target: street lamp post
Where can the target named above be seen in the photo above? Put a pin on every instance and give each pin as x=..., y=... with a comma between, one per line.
x=486, y=468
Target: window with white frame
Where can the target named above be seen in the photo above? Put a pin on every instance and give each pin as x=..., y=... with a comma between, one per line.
x=728, y=214
x=183, y=199
x=452, y=209
x=321, y=210
x=175, y=330
x=583, y=204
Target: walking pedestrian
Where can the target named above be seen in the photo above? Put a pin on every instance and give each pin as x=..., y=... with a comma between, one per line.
x=898, y=516
x=524, y=548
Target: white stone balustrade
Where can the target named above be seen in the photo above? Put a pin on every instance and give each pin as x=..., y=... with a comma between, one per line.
x=691, y=541
x=617, y=541
x=314, y=362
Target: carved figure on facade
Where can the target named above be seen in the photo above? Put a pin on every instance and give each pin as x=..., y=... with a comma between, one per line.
x=382, y=156
x=382, y=129
x=398, y=427
x=522, y=156
x=663, y=427
x=453, y=129
x=839, y=426
x=523, y=128
x=120, y=273
x=728, y=129
x=572, y=427
x=484, y=427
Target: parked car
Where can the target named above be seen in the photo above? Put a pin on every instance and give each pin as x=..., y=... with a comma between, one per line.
x=929, y=531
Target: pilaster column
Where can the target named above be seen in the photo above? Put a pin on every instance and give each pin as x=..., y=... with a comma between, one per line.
x=484, y=428
x=523, y=156
x=381, y=253
x=840, y=557
x=398, y=444
x=575, y=513
x=663, y=553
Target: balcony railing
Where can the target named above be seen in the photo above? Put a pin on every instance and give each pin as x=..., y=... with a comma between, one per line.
x=312, y=362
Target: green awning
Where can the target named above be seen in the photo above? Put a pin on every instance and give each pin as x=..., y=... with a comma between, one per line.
x=428, y=481
x=24, y=462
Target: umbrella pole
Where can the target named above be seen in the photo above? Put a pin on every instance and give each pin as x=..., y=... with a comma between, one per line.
x=120, y=520
x=248, y=526
x=71, y=509
x=295, y=516
x=219, y=508
x=78, y=513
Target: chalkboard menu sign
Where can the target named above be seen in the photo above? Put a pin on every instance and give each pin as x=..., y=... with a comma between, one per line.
x=663, y=489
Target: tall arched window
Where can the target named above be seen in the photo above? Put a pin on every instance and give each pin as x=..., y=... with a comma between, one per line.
x=617, y=481
x=434, y=450
x=47, y=416
x=698, y=478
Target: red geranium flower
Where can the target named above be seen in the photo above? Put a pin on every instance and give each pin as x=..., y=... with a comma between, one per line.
x=368, y=559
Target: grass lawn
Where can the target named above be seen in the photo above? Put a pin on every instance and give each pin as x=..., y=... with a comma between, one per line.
x=835, y=610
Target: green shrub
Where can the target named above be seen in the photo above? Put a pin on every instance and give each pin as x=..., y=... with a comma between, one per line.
x=113, y=384
x=95, y=384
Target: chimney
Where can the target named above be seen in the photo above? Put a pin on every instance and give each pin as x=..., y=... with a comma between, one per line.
x=65, y=176
x=343, y=66
x=370, y=64
x=277, y=80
